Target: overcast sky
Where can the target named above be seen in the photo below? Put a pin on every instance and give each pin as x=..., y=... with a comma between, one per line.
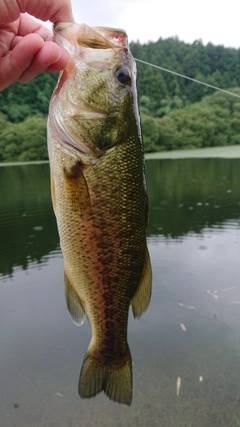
x=148, y=20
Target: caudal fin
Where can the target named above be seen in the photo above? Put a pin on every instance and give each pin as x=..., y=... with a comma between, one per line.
x=115, y=382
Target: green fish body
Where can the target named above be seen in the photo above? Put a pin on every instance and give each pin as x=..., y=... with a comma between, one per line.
x=99, y=199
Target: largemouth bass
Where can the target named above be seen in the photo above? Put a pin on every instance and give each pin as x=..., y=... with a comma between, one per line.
x=99, y=199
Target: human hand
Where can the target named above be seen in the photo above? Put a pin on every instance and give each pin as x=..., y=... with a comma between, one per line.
x=27, y=47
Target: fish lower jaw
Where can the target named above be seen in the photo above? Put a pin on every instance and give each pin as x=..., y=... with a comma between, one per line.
x=68, y=142
x=86, y=157
x=93, y=115
x=73, y=148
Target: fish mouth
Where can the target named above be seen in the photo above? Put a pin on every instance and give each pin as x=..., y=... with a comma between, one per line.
x=91, y=37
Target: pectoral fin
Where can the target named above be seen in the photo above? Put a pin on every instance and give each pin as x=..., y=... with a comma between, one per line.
x=77, y=189
x=141, y=299
x=74, y=303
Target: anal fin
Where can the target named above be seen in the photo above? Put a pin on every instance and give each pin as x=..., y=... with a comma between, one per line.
x=74, y=303
x=141, y=299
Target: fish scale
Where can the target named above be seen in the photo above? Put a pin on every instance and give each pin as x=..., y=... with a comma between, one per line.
x=100, y=201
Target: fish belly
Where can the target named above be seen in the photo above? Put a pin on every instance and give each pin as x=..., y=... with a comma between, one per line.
x=101, y=213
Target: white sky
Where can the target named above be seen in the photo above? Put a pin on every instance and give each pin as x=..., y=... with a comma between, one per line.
x=148, y=20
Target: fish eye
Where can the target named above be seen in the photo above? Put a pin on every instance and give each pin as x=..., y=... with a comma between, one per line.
x=123, y=75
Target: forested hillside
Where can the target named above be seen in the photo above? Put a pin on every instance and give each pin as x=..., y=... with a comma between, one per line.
x=176, y=113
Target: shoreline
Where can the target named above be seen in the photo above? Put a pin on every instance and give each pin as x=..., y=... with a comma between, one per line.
x=34, y=162
x=227, y=152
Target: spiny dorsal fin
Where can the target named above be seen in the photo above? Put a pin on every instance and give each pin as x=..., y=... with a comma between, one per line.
x=141, y=299
x=74, y=303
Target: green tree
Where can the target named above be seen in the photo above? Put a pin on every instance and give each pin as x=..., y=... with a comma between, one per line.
x=24, y=141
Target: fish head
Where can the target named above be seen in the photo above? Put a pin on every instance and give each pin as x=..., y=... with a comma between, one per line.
x=94, y=103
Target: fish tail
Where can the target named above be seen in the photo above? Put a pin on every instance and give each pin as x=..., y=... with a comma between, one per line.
x=116, y=382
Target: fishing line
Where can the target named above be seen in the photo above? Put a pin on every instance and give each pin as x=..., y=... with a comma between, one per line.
x=186, y=77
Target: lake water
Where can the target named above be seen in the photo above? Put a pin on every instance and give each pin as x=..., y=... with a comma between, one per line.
x=191, y=330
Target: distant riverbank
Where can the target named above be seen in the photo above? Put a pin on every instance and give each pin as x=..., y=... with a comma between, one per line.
x=228, y=152
x=37, y=162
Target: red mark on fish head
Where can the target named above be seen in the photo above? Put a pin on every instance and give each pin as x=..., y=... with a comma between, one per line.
x=120, y=39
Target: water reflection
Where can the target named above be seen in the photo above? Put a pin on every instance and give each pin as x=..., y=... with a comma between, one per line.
x=187, y=195
x=191, y=330
x=27, y=223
